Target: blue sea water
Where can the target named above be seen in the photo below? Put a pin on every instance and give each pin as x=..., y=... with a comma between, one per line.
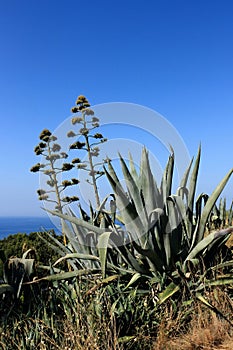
x=13, y=225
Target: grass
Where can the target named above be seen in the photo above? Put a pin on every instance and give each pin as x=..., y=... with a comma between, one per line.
x=63, y=321
x=186, y=327
x=205, y=330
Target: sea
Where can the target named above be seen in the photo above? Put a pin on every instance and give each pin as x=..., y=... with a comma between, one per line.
x=25, y=224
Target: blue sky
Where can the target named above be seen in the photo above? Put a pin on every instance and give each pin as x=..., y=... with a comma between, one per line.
x=174, y=57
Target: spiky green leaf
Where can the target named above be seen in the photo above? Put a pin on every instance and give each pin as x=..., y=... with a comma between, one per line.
x=171, y=289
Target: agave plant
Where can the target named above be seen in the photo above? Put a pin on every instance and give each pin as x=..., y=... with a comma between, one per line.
x=162, y=237
x=167, y=230
x=88, y=238
x=172, y=225
x=16, y=272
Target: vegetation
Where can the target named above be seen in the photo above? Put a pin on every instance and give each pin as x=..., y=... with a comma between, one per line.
x=147, y=273
x=16, y=245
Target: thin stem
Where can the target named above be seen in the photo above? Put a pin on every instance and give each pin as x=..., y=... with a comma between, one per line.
x=54, y=178
x=92, y=167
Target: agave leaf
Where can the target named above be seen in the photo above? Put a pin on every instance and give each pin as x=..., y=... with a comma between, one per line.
x=184, y=180
x=183, y=193
x=172, y=213
x=15, y=270
x=223, y=281
x=66, y=275
x=204, y=301
x=199, y=232
x=134, y=194
x=84, y=216
x=131, y=260
x=153, y=257
x=171, y=289
x=222, y=265
x=114, y=176
x=202, y=199
x=58, y=247
x=48, y=268
x=73, y=240
x=169, y=172
x=77, y=221
x=156, y=236
x=104, y=281
x=158, y=212
x=78, y=238
x=166, y=183
x=121, y=270
x=215, y=246
x=221, y=208
x=216, y=211
x=127, y=209
x=28, y=265
x=176, y=228
x=103, y=242
x=148, y=185
x=205, y=242
x=134, y=279
x=182, y=219
x=167, y=246
x=76, y=256
x=99, y=213
x=24, y=256
x=77, y=235
x=133, y=170
x=192, y=190
x=102, y=205
x=92, y=213
x=112, y=213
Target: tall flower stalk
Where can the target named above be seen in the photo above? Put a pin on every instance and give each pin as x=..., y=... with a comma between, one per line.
x=88, y=123
x=51, y=167
x=55, y=160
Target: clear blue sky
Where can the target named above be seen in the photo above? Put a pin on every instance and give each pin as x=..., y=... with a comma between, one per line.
x=175, y=57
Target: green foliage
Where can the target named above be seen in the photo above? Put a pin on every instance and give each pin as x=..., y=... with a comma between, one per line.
x=123, y=277
x=116, y=290
x=16, y=245
x=165, y=239
x=17, y=271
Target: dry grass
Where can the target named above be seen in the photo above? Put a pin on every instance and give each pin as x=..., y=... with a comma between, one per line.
x=205, y=333
x=67, y=337
x=192, y=327
x=206, y=330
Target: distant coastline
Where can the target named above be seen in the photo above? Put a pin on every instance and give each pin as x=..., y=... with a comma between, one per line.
x=25, y=224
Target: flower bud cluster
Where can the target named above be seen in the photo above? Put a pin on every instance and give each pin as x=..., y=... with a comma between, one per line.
x=50, y=150
x=87, y=141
